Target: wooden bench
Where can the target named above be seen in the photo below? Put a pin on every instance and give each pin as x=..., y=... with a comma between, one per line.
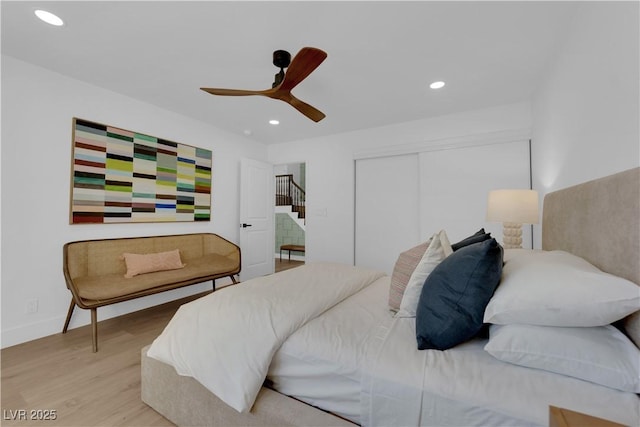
x=294, y=248
x=94, y=270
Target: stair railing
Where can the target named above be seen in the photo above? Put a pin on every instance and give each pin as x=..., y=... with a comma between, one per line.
x=288, y=193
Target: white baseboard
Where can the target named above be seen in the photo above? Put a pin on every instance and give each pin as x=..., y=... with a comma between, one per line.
x=32, y=331
x=53, y=325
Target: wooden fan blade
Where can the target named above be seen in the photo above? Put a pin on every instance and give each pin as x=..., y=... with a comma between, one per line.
x=306, y=109
x=303, y=64
x=232, y=92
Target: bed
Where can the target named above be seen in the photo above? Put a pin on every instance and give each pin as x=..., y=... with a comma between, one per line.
x=318, y=345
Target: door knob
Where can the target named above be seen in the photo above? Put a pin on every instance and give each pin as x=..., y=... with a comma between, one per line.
x=245, y=225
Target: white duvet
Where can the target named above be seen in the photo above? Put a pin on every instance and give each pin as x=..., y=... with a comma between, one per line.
x=227, y=342
x=321, y=364
x=227, y=339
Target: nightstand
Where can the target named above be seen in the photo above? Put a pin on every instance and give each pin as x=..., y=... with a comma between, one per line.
x=560, y=417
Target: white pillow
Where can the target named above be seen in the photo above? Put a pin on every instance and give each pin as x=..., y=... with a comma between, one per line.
x=555, y=288
x=600, y=354
x=438, y=249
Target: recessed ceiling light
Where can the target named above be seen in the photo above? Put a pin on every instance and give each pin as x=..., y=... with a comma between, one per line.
x=274, y=122
x=49, y=17
x=436, y=85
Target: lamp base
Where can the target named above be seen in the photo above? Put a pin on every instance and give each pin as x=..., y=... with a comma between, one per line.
x=512, y=232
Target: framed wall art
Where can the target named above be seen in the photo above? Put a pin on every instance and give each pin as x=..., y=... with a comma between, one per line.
x=120, y=176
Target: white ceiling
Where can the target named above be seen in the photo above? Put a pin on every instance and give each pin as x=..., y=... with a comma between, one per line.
x=381, y=56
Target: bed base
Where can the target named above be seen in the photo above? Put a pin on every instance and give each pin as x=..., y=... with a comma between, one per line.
x=597, y=220
x=185, y=402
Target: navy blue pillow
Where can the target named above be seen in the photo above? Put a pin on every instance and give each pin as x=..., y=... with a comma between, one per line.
x=479, y=236
x=455, y=295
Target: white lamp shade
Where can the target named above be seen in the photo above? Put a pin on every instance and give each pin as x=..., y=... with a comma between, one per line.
x=519, y=206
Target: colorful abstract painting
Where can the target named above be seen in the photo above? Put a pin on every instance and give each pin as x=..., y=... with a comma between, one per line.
x=123, y=176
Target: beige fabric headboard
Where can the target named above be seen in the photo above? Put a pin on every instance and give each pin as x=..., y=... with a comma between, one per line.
x=599, y=221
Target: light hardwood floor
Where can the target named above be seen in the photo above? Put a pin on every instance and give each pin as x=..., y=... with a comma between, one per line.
x=60, y=373
x=286, y=264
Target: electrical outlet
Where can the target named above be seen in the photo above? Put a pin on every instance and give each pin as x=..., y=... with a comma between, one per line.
x=31, y=306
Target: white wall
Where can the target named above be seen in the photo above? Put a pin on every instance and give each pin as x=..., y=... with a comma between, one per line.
x=585, y=112
x=584, y=120
x=330, y=166
x=37, y=109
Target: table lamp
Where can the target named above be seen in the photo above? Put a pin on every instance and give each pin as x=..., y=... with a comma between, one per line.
x=513, y=208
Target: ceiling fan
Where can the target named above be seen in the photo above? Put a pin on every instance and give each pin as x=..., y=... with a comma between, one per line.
x=298, y=68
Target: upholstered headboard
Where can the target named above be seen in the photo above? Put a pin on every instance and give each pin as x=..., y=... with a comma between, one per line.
x=599, y=221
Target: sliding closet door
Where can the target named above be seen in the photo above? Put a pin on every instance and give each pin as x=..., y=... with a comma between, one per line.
x=455, y=183
x=387, y=208
x=403, y=200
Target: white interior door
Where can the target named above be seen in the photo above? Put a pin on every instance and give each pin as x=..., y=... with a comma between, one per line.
x=257, y=235
x=403, y=200
x=386, y=219
x=455, y=184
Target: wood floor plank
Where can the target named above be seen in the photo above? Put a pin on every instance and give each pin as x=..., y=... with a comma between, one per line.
x=60, y=373
x=286, y=264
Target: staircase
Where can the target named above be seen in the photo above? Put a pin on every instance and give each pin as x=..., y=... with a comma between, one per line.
x=293, y=215
x=290, y=198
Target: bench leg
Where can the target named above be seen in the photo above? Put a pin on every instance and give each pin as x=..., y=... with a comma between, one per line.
x=94, y=329
x=69, y=314
x=214, y=284
x=233, y=279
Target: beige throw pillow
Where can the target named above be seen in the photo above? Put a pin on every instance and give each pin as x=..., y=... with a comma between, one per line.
x=148, y=263
x=438, y=250
x=402, y=271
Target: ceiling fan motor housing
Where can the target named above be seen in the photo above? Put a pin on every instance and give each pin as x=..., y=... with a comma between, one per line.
x=281, y=58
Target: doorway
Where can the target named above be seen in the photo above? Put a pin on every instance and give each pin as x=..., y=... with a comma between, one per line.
x=290, y=215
